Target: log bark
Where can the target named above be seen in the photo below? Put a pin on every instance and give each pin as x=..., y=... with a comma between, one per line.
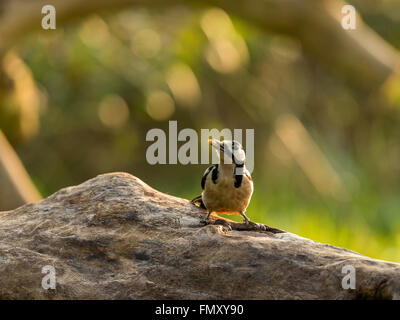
x=114, y=237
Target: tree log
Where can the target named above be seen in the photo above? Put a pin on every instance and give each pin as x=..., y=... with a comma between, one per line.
x=114, y=237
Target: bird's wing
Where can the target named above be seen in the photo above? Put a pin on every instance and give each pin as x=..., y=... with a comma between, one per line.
x=239, y=177
x=198, y=201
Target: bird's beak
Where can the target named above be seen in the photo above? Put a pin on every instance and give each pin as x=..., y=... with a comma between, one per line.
x=216, y=144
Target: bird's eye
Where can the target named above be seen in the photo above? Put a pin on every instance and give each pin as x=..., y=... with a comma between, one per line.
x=235, y=145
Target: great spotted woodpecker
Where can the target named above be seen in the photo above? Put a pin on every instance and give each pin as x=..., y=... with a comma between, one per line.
x=227, y=186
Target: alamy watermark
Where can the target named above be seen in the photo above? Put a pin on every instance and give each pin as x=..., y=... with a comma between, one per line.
x=349, y=280
x=49, y=280
x=349, y=18
x=188, y=153
x=49, y=20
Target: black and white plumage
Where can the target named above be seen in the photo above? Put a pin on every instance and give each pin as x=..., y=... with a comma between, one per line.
x=227, y=186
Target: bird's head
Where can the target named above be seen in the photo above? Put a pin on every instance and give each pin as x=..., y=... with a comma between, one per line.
x=229, y=151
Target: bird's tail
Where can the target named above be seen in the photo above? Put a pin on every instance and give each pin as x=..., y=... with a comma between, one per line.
x=198, y=201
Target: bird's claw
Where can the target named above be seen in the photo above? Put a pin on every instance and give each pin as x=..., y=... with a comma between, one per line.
x=225, y=224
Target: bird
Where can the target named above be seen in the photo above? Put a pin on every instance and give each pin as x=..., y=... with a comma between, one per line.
x=227, y=186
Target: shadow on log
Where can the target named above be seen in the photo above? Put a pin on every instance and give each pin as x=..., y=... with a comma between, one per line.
x=114, y=237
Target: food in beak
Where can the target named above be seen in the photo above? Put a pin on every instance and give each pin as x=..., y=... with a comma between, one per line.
x=216, y=144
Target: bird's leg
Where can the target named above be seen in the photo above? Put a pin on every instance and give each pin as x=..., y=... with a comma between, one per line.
x=207, y=219
x=243, y=214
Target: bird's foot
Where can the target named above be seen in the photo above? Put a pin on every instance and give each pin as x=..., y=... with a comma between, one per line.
x=223, y=223
x=205, y=221
x=246, y=221
x=262, y=227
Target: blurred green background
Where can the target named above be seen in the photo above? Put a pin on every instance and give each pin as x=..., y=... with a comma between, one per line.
x=327, y=155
